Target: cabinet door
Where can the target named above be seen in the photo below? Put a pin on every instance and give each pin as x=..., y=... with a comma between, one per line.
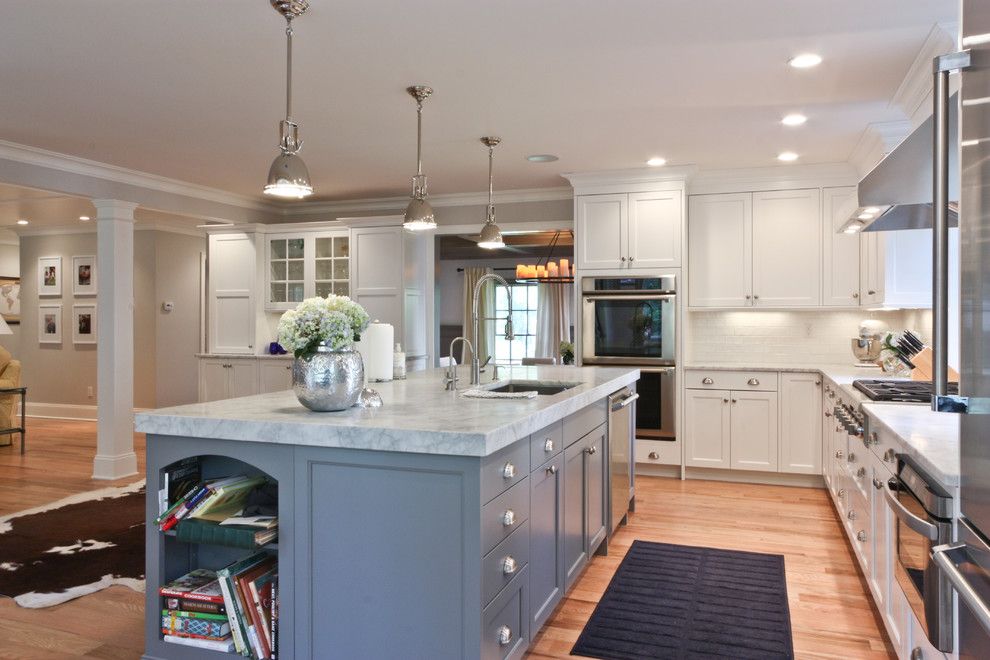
x=243, y=375
x=597, y=497
x=787, y=239
x=871, y=251
x=753, y=429
x=655, y=229
x=907, y=268
x=880, y=571
x=840, y=251
x=212, y=380
x=601, y=230
x=575, y=520
x=274, y=375
x=377, y=274
x=706, y=428
x=801, y=423
x=231, y=292
x=546, y=527
x=720, y=245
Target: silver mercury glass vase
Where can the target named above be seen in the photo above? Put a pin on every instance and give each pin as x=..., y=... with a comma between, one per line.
x=328, y=380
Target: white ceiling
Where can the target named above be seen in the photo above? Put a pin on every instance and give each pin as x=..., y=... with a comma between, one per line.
x=193, y=90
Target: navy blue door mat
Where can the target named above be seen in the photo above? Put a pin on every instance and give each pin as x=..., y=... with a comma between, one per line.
x=677, y=601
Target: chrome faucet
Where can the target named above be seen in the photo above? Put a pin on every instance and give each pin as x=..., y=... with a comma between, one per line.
x=450, y=380
x=475, y=361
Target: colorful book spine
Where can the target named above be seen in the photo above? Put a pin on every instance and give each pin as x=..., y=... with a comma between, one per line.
x=186, y=605
x=273, y=617
x=225, y=646
x=192, y=530
x=194, y=615
x=188, y=506
x=195, y=627
x=236, y=630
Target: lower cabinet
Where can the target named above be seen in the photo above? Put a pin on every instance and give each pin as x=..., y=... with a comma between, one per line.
x=585, y=501
x=546, y=530
x=730, y=429
x=800, y=423
x=274, y=375
x=227, y=378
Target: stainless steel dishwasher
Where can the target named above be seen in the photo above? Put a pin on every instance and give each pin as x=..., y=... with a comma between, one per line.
x=621, y=416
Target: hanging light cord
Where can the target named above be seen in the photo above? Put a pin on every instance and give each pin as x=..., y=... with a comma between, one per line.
x=491, y=195
x=419, y=138
x=288, y=70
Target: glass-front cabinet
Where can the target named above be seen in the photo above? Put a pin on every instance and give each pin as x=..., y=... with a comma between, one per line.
x=304, y=265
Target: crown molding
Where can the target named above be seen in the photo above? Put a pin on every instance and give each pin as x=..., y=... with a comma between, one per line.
x=636, y=179
x=913, y=96
x=779, y=177
x=876, y=141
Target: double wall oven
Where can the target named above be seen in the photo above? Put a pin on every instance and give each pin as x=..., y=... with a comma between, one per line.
x=631, y=321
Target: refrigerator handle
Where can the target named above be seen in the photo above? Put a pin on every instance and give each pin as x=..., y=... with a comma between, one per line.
x=942, y=555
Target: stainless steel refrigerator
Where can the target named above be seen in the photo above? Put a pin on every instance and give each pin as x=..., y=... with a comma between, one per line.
x=967, y=562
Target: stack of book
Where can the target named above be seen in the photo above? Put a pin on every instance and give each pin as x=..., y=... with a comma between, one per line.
x=213, y=502
x=234, y=609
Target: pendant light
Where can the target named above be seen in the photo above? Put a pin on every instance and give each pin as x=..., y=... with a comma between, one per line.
x=288, y=176
x=491, y=235
x=419, y=213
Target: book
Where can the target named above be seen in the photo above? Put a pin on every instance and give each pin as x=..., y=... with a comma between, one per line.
x=238, y=622
x=226, y=499
x=251, y=614
x=187, y=614
x=225, y=646
x=173, y=624
x=194, y=530
x=261, y=593
x=195, y=606
x=200, y=584
x=273, y=617
x=187, y=505
x=262, y=522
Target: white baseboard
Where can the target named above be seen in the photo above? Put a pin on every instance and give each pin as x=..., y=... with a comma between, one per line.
x=65, y=411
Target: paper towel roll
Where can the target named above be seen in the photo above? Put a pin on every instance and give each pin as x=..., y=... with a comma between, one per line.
x=376, y=351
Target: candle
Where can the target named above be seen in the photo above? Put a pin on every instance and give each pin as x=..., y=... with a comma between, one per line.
x=541, y=271
x=552, y=269
x=520, y=271
x=564, y=270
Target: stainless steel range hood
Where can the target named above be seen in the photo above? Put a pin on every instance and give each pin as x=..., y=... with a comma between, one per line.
x=897, y=194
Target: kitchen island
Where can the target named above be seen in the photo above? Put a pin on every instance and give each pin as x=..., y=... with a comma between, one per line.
x=437, y=526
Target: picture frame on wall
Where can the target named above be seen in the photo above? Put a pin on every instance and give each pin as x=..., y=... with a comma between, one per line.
x=10, y=299
x=50, y=276
x=84, y=275
x=84, y=324
x=49, y=324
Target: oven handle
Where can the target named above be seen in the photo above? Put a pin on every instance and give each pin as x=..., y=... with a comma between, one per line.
x=919, y=525
x=942, y=558
x=625, y=402
x=650, y=296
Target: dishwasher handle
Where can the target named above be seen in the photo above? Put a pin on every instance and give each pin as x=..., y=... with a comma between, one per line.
x=942, y=556
x=624, y=403
x=919, y=525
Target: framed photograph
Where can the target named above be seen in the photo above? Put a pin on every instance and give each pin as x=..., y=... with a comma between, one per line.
x=10, y=299
x=84, y=276
x=84, y=324
x=49, y=324
x=50, y=276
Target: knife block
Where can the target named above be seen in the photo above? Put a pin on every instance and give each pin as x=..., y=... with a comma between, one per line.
x=923, y=369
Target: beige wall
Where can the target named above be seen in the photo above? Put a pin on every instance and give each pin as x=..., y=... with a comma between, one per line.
x=166, y=266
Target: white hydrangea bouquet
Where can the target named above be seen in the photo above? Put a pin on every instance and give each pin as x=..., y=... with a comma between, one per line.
x=335, y=322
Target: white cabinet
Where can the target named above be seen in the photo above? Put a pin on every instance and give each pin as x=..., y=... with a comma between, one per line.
x=800, y=423
x=707, y=432
x=623, y=231
x=840, y=251
x=227, y=378
x=896, y=267
x=753, y=429
x=305, y=264
x=720, y=244
x=274, y=375
x=787, y=248
x=231, y=293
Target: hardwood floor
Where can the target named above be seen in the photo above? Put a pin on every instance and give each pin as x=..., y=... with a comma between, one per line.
x=831, y=613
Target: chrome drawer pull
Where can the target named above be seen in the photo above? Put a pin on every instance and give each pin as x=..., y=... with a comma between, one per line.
x=753, y=381
x=861, y=536
x=504, y=635
x=861, y=472
x=592, y=450
x=852, y=514
x=509, y=518
x=877, y=484
x=509, y=565
x=653, y=456
x=852, y=457
x=838, y=453
x=509, y=471
x=552, y=469
x=548, y=445
x=707, y=381
x=842, y=492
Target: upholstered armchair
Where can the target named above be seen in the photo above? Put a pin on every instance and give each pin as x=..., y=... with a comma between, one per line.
x=10, y=376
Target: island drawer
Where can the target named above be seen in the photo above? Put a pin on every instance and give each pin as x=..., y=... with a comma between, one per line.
x=583, y=422
x=504, y=515
x=504, y=562
x=505, y=622
x=704, y=379
x=504, y=469
x=546, y=443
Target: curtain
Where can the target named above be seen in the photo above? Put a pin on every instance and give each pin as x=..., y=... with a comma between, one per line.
x=486, y=308
x=553, y=318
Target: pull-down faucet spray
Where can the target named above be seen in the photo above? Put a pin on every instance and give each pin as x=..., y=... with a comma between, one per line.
x=509, y=334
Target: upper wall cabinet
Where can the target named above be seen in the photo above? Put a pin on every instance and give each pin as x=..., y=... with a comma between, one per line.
x=897, y=267
x=231, y=297
x=305, y=264
x=760, y=249
x=840, y=251
x=629, y=231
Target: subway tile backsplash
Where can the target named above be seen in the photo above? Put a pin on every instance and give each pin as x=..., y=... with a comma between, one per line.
x=784, y=337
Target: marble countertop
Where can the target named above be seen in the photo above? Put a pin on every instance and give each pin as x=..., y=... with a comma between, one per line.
x=418, y=415
x=931, y=438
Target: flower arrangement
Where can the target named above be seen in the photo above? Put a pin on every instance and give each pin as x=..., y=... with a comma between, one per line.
x=335, y=321
x=567, y=352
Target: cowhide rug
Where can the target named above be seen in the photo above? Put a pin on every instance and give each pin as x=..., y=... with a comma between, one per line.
x=73, y=547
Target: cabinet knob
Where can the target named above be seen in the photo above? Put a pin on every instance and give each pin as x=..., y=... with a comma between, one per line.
x=861, y=472
x=874, y=438
x=842, y=492
x=733, y=401
x=855, y=294
x=861, y=536
x=871, y=292
x=818, y=383
x=552, y=469
x=838, y=428
x=592, y=450
x=748, y=296
x=725, y=400
x=548, y=445
x=890, y=456
x=630, y=259
x=623, y=259
x=755, y=297
x=653, y=456
x=509, y=471
x=504, y=635
x=753, y=381
x=289, y=368
x=851, y=514
x=917, y=653
x=877, y=484
x=509, y=565
x=828, y=414
x=852, y=457
x=707, y=381
x=838, y=453
x=509, y=518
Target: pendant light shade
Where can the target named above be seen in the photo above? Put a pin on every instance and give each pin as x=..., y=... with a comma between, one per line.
x=491, y=235
x=288, y=177
x=419, y=213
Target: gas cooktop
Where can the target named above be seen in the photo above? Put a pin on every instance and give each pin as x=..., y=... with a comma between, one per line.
x=900, y=391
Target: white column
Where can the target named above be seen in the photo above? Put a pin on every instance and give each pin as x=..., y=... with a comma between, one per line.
x=115, y=334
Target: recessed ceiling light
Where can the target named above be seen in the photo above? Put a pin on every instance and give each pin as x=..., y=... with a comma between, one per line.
x=22, y=222
x=793, y=120
x=805, y=61
x=787, y=156
x=541, y=158
x=872, y=210
x=84, y=218
x=656, y=161
x=865, y=216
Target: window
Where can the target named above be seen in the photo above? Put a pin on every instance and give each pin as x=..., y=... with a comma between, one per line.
x=523, y=323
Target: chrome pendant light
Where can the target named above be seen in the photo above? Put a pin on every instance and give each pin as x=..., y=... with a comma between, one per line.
x=491, y=235
x=288, y=176
x=419, y=213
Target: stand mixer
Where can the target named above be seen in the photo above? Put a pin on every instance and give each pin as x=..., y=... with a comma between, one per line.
x=867, y=346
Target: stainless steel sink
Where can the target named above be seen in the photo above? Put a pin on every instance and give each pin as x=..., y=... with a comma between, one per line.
x=547, y=388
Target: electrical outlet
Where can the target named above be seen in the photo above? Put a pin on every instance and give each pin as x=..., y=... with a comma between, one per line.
x=89, y=391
